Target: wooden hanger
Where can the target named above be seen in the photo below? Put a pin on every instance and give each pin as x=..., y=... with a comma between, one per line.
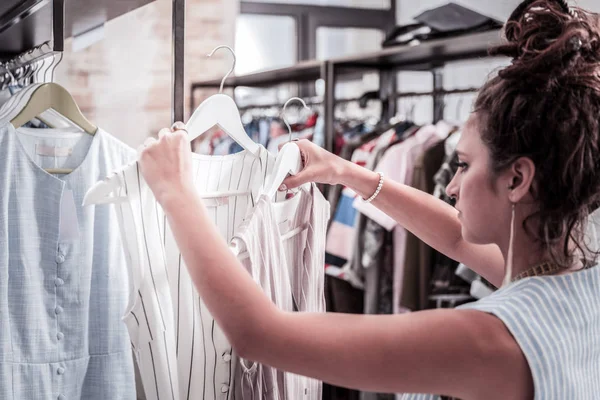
x=53, y=96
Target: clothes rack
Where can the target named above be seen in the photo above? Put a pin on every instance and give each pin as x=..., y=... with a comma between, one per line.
x=247, y=107
x=427, y=56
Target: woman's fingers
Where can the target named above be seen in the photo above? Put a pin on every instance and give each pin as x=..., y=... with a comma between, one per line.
x=294, y=181
x=163, y=132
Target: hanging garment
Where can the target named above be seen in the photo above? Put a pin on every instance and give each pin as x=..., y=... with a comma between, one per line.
x=149, y=314
x=419, y=256
x=444, y=279
x=355, y=267
x=343, y=228
x=284, y=254
x=446, y=172
x=63, y=285
x=397, y=164
x=229, y=186
x=556, y=322
x=342, y=232
x=302, y=222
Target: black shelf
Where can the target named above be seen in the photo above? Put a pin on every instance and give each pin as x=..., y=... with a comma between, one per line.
x=423, y=56
x=25, y=24
x=302, y=72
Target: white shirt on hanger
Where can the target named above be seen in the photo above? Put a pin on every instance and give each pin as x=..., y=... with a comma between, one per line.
x=290, y=270
x=204, y=368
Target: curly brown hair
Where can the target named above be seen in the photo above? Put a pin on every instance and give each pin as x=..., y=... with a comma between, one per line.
x=546, y=106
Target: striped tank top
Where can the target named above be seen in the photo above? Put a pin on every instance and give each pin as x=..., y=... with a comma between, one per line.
x=556, y=322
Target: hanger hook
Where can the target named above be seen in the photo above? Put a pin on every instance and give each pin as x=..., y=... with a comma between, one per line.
x=55, y=65
x=232, y=67
x=284, y=109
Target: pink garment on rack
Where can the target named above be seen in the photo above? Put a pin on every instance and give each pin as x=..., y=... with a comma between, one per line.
x=342, y=232
x=397, y=164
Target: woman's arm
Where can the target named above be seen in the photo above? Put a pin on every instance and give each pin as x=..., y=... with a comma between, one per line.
x=431, y=220
x=466, y=354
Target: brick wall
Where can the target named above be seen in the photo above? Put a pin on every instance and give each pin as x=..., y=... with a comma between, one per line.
x=123, y=83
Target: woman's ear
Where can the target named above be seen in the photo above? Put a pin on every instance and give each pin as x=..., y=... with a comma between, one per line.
x=522, y=172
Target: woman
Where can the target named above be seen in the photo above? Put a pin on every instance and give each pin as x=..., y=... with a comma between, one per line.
x=528, y=177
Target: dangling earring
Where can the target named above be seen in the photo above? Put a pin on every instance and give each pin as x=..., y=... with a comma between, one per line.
x=511, y=239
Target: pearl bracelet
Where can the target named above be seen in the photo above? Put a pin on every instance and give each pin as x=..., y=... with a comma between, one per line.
x=370, y=199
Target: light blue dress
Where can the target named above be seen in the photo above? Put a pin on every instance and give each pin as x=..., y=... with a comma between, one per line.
x=556, y=322
x=63, y=276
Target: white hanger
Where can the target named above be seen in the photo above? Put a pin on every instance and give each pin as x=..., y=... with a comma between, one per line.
x=103, y=191
x=221, y=110
x=218, y=109
x=289, y=160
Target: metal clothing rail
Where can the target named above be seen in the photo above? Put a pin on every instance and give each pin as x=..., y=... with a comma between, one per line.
x=58, y=25
x=428, y=56
x=178, y=64
x=438, y=92
x=415, y=94
x=247, y=107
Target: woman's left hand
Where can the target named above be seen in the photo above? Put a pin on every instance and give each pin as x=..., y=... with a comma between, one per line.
x=166, y=163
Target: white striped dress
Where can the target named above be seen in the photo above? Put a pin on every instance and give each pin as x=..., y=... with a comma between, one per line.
x=229, y=186
x=556, y=322
x=181, y=351
x=290, y=271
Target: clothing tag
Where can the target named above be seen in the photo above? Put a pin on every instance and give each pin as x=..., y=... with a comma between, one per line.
x=50, y=151
x=69, y=223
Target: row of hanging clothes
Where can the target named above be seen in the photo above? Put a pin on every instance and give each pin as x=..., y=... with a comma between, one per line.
x=94, y=292
x=373, y=265
x=64, y=278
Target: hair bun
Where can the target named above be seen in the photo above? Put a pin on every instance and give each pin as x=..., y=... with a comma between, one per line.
x=548, y=41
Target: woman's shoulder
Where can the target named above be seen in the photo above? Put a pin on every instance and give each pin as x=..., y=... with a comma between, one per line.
x=555, y=320
x=576, y=289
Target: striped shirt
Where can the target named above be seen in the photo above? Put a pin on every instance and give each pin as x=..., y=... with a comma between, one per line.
x=290, y=271
x=181, y=351
x=149, y=314
x=556, y=322
x=229, y=186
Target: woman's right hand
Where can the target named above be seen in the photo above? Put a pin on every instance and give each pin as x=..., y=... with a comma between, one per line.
x=320, y=166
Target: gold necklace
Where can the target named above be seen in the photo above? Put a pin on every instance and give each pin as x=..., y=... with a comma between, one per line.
x=545, y=268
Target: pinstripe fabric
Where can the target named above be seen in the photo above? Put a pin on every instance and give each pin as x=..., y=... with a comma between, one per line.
x=61, y=297
x=229, y=186
x=181, y=351
x=305, y=258
x=556, y=322
x=205, y=365
x=149, y=314
x=290, y=274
